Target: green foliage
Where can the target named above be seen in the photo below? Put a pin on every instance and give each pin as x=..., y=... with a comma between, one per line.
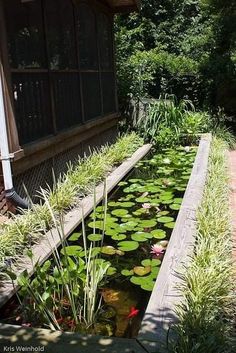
x=181, y=47
x=207, y=306
x=168, y=122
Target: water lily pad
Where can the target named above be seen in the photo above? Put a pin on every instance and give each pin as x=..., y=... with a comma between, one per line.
x=127, y=273
x=137, y=280
x=155, y=271
x=185, y=177
x=96, y=224
x=178, y=200
x=148, y=286
x=108, y=250
x=122, y=183
x=127, y=245
x=132, y=188
x=175, y=206
x=140, y=237
x=120, y=253
x=113, y=204
x=111, y=271
x=139, y=212
x=170, y=225
x=163, y=213
x=128, y=219
x=151, y=262
x=147, y=223
x=72, y=250
x=74, y=236
x=180, y=188
x=95, y=251
x=130, y=225
x=158, y=233
x=145, y=234
x=100, y=209
x=166, y=196
x=120, y=212
x=141, y=270
x=165, y=219
x=167, y=202
x=110, y=219
x=118, y=237
x=110, y=232
x=94, y=237
x=134, y=180
x=119, y=228
x=153, y=189
x=127, y=204
x=142, y=199
x=127, y=197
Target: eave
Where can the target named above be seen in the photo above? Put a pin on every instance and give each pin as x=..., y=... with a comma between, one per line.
x=120, y=6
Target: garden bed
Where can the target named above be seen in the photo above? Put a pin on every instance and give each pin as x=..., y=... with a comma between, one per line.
x=176, y=253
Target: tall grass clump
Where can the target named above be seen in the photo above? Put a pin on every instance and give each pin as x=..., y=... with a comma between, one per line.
x=168, y=122
x=28, y=227
x=64, y=293
x=205, y=315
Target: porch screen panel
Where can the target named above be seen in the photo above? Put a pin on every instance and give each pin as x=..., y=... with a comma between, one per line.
x=105, y=41
x=107, y=63
x=33, y=111
x=61, y=59
x=66, y=90
x=24, y=22
x=88, y=61
x=91, y=95
x=63, y=63
x=60, y=34
x=108, y=92
x=87, y=37
x=28, y=61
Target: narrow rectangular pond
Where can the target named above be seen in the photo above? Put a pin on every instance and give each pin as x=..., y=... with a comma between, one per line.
x=101, y=283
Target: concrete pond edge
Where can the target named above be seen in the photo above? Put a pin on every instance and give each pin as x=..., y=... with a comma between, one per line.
x=160, y=313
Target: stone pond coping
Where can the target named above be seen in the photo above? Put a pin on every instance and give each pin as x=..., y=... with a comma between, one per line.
x=160, y=314
x=72, y=219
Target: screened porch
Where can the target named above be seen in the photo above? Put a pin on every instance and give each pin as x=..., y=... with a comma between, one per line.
x=61, y=64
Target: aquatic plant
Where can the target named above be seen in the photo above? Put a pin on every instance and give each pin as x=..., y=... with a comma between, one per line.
x=64, y=291
x=157, y=250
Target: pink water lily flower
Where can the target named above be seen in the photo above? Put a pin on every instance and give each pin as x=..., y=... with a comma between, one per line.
x=157, y=250
x=147, y=206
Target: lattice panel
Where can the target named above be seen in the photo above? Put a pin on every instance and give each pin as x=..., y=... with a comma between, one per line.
x=42, y=174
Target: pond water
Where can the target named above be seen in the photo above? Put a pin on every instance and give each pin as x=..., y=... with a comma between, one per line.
x=127, y=236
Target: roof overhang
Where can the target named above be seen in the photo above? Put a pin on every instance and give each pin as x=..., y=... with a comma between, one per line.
x=119, y=6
